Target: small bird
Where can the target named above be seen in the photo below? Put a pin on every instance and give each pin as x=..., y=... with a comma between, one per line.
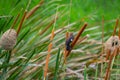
x=69, y=41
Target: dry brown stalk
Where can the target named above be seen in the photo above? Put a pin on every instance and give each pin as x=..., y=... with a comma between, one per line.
x=32, y=11
x=114, y=32
x=21, y=22
x=119, y=32
x=49, y=25
x=48, y=55
x=67, y=35
x=109, y=64
x=103, y=29
x=49, y=47
x=102, y=35
x=101, y=68
x=46, y=65
x=117, y=52
x=76, y=38
x=16, y=19
x=52, y=34
x=82, y=39
x=65, y=55
x=108, y=55
x=65, y=51
x=119, y=38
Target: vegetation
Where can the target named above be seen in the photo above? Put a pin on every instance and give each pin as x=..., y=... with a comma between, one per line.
x=43, y=26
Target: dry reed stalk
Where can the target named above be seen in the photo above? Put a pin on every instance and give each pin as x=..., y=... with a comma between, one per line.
x=82, y=39
x=21, y=22
x=49, y=25
x=101, y=68
x=117, y=52
x=32, y=11
x=119, y=32
x=46, y=65
x=67, y=35
x=52, y=34
x=107, y=77
x=65, y=51
x=48, y=55
x=119, y=39
x=29, y=71
x=76, y=38
x=102, y=35
x=108, y=55
x=114, y=32
x=103, y=29
x=65, y=56
x=49, y=47
x=16, y=19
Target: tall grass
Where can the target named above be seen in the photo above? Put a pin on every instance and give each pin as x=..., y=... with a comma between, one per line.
x=34, y=20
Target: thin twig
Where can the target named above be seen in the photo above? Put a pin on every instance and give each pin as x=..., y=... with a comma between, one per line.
x=76, y=73
x=46, y=65
x=67, y=35
x=82, y=39
x=52, y=34
x=48, y=55
x=108, y=55
x=102, y=44
x=109, y=64
x=49, y=25
x=16, y=19
x=34, y=9
x=119, y=32
x=21, y=22
x=65, y=51
x=114, y=32
x=103, y=34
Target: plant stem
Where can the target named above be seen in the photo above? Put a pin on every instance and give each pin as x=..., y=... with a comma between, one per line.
x=57, y=65
x=7, y=59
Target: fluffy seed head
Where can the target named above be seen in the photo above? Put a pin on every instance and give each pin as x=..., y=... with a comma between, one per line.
x=8, y=39
x=112, y=43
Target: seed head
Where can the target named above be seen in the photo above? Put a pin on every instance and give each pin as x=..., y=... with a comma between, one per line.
x=112, y=43
x=8, y=39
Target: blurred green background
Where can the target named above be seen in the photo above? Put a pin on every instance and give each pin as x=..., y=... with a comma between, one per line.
x=90, y=11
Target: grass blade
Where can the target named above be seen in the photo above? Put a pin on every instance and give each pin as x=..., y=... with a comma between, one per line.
x=57, y=65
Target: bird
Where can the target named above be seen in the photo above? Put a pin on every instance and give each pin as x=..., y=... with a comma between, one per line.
x=69, y=41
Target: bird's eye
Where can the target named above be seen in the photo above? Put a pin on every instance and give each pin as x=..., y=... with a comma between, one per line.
x=71, y=40
x=112, y=44
x=116, y=43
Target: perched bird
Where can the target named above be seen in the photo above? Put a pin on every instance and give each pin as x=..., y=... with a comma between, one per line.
x=69, y=41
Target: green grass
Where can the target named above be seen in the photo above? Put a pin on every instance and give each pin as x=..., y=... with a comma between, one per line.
x=27, y=59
